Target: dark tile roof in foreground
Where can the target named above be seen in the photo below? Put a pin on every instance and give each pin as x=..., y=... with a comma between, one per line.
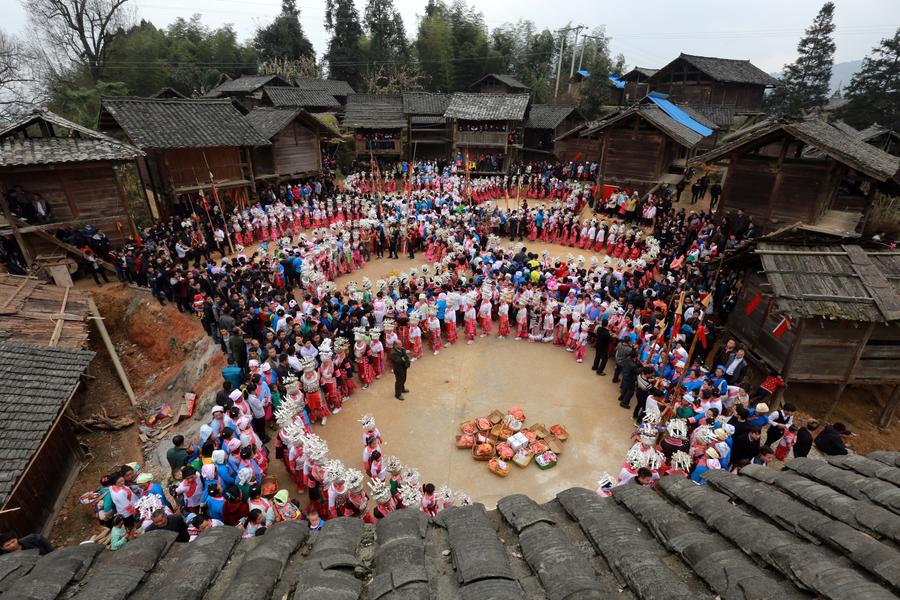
x=816, y=529
x=35, y=381
x=76, y=144
x=152, y=123
x=374, y=111
x=488, y=107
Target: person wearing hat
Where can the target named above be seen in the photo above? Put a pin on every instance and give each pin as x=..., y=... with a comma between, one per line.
x=708, y=462
x=284, y=509
x=147, y=487
x=759, y=416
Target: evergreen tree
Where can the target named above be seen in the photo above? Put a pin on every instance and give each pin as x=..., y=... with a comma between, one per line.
x=344, y=56
x=804, y=83
x=874, y=91
x=595, y=89
x=434, y=47
x=387, y=36
x=284, y=37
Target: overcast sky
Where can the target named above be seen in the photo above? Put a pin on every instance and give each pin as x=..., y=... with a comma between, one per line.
x=649, y=33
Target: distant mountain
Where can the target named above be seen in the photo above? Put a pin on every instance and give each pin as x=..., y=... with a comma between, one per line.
x=841, y=74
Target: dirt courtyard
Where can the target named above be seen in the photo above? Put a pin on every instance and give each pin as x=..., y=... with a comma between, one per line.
x=464, y=382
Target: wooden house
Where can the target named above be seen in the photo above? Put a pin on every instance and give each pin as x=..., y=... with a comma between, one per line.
x=43, y=350
x=497, y=83
x=73, y=170
x=429, y=131
x=488, y=124
x=546, y=122
x=780, y=172
x=378, y=125
x=314, y=101
x=645, y=144
x=634, y=86
x=187, y=142
x=708, y=80
x=247, y=89
x=881, y=137
x=843, y=302
x=341, y=90
x=296, y=138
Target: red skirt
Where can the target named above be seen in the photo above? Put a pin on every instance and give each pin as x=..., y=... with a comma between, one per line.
x=504, y=325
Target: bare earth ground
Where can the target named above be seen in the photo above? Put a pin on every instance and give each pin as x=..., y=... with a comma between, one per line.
x=462, y=382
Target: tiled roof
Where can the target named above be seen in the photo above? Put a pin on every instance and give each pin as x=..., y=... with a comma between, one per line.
x=425, y=103
x=488, y=107
x=80, y=144
x=165, y=124
x=547, y=116
x=834, y=281
x=292, y=96
x=680, y=133
x=335, y=87
x=244, y=84
x=638, y=73
x=269, y=120
x=374, y=111
x=720, y=116
x=837, y=144
x=814, y=530
x=727, y=70
x=35, y=382
x=507, y=80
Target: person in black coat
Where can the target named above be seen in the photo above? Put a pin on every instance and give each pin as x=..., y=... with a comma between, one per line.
x=805, y=440
x=630, y=370
x=831, y=442
x=601, y=343
x=401, y=362
x=745, y=446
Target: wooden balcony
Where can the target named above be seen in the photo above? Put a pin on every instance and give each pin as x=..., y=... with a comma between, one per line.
x=377, y=147
x=481, y=138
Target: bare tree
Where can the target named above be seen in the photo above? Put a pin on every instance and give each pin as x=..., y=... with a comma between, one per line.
x=15, y=77
x=393, y=79
x=80, y=29
x=290, y=68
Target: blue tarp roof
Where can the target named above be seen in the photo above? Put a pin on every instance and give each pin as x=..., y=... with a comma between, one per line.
x=583, y=72
x=615, y=80
x=663, y=102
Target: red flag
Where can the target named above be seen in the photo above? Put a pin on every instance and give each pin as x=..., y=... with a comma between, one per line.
x=701, y=335
x=578, y=155
x=754, y=302
x=781, y=328
x=676, y=326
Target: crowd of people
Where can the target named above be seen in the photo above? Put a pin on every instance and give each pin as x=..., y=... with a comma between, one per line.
x=649, y=296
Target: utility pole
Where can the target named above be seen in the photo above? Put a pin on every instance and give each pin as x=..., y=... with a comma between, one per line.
x=574, y=47
x=562, y=47
x=584, y=39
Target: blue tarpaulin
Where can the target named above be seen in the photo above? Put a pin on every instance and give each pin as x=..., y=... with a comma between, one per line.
x=615, y=81
x=583, y=73
x=662, y=101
